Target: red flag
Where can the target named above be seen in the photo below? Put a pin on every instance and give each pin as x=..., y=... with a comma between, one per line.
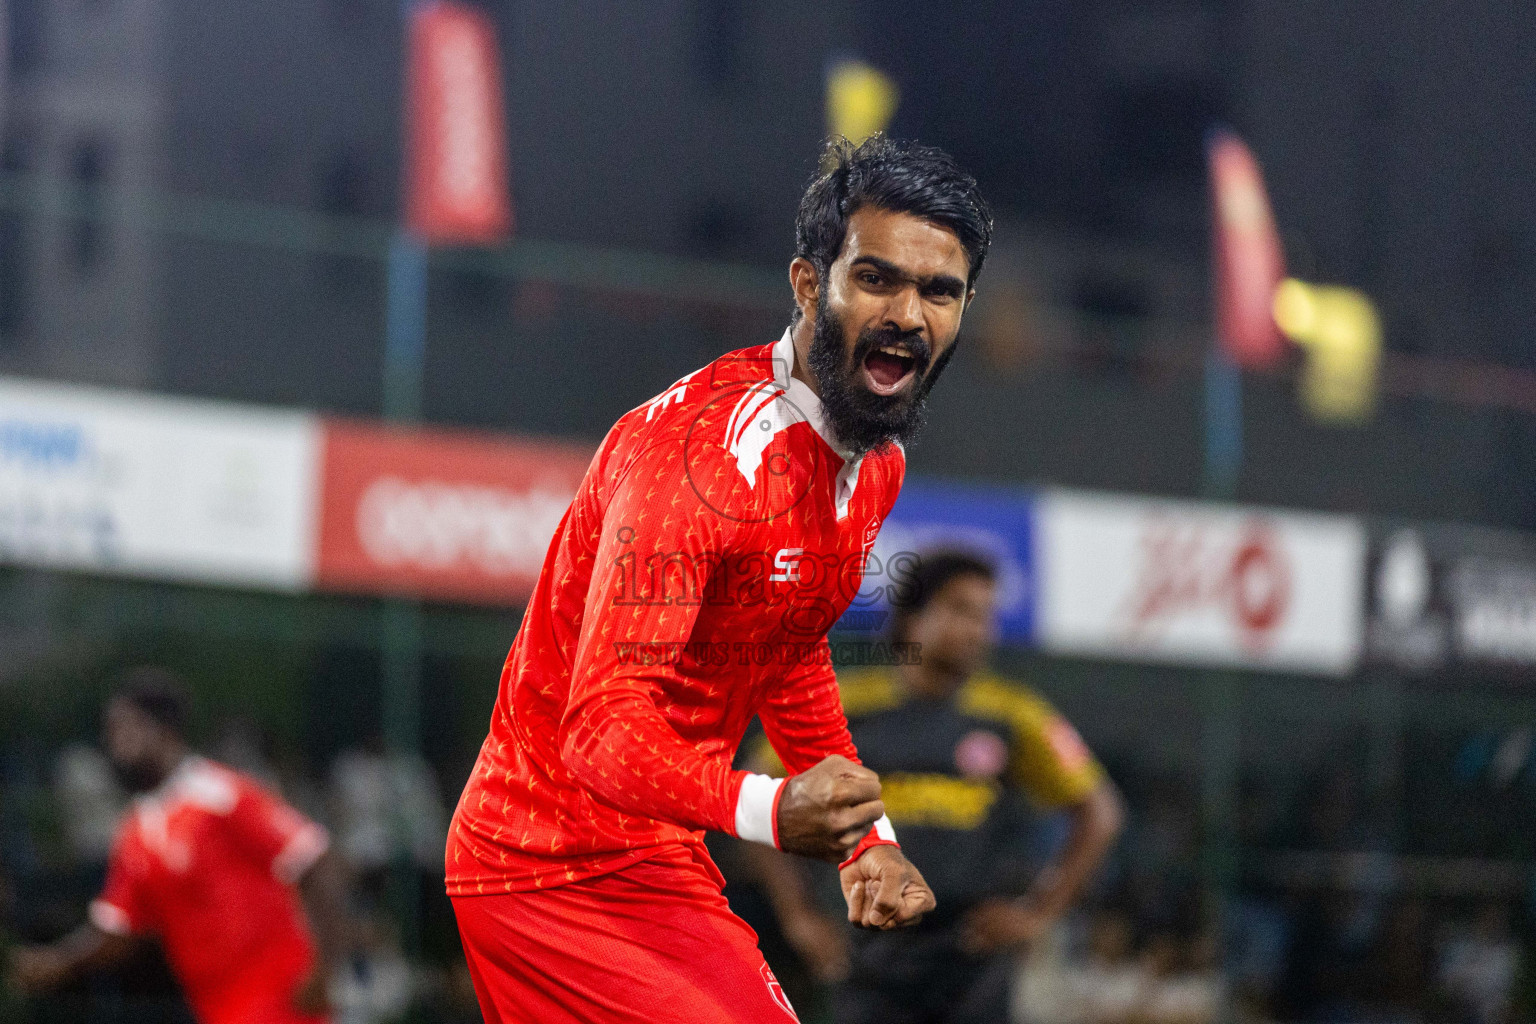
x=456, y=142
x=1249, y=262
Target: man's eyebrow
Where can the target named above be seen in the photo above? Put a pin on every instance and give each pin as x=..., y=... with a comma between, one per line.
x=948, y=282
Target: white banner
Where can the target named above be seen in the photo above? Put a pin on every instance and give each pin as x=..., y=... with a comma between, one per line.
x=1209, y=584
x=109, y=481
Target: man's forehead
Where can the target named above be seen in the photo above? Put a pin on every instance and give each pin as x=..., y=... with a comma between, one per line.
x=917, y=246
x=122, y=709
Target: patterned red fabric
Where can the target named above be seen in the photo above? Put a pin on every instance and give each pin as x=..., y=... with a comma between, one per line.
x=715, y=538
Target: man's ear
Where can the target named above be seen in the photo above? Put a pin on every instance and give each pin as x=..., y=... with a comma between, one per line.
x=806, y=284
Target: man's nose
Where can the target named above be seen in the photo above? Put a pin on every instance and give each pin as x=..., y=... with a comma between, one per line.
x=905, y=313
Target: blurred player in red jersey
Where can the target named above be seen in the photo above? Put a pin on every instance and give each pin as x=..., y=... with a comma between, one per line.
x=213, y=866
x=720, y=530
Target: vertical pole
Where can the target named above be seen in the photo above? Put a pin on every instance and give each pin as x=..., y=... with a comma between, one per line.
x=401, y=625
x=405, y=329
x=1220, y=745
x=1384, y=692
x=1223, y=426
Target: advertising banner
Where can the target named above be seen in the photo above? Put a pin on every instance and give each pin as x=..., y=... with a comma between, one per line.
x=440, y=514
x=119, y=483
x=1204, y=584
x=1444, y=595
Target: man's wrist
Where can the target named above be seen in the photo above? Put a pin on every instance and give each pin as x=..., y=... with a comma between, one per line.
x=881, y=833
x=757, y=809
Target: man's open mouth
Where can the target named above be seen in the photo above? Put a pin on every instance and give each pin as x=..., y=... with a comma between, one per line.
x=887, y=368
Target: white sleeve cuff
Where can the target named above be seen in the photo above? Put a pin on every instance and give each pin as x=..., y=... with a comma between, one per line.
x=109, y=918
x=884, y=830
x=306, y=847
x=754, y=809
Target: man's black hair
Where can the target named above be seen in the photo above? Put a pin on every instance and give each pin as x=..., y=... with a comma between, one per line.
x=156, y=693
x=903, y=177
x=929, y=574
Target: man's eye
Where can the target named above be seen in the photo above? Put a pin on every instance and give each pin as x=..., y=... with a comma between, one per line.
x=869, y=278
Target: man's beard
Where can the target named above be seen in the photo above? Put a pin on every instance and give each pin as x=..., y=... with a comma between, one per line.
x=861, y=419
x=137, y=777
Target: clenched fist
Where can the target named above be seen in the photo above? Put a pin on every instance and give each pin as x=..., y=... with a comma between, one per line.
x=884, y=890
x=825, y=811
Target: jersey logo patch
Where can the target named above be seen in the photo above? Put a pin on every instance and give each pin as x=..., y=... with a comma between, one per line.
x=981, y=754
x=787, y=561
x=777, y=992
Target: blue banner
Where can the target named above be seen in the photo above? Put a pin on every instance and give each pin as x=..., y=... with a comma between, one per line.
x=995, y=523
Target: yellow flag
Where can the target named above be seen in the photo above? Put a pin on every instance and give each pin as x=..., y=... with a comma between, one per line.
x=1341, y=334
x=860, y=100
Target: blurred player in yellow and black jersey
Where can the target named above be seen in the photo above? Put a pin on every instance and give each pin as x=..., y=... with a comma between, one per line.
x=958, y=750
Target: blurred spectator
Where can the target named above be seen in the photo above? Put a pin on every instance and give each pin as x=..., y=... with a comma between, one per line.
x=1258, y=931
x=1097, y=987
x=1476, y=967
x=1400, y=963
x=377, y=983
x=1172, y=981
x=1183, y=984
x=90, y=802
x=1326, y=956
x=1160, y=852
x=955, y=749
x=388, y=809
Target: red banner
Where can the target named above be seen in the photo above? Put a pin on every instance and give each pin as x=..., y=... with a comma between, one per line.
x=456, y=145
x=439, y=514
x=1249, y=261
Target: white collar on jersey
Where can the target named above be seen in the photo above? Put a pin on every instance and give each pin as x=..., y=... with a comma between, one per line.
x=804, y=402
x=194, y=779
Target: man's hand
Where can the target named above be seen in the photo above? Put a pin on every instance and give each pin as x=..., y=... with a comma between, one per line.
x=37, y=969
x=1002, y=924
x=825, y=811
x=884, y=890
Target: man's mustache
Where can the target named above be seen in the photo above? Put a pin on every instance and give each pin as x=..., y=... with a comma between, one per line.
x=869, y=340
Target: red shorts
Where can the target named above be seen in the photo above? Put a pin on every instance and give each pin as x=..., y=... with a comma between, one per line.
x=652, y=942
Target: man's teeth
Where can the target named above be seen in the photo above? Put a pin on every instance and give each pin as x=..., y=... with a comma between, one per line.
x=892, y=350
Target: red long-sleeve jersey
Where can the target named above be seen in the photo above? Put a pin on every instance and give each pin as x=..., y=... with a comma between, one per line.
x=716, y=537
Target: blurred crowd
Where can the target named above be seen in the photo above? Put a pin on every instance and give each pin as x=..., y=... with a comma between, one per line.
x=1321, y=924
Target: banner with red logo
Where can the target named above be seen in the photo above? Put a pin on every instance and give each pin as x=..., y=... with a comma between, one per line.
x=1186, y=582
x=456, y=140
x=440, y=514
x=1249, y=261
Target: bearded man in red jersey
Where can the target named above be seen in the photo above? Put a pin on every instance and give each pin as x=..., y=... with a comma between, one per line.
x=720, y=531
